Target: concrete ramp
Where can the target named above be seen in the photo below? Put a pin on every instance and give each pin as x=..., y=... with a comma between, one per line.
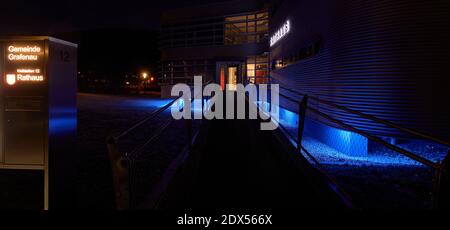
x=235, y=165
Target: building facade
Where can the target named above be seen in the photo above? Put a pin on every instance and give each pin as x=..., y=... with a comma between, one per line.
x=225, y=42
x=388, y=59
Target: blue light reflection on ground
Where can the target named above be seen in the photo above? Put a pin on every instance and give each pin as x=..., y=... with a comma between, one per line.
x=335, y=147
x=150, y=103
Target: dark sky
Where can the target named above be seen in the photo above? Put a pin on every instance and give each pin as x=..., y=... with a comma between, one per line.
x=51, y=16
x=96, y=26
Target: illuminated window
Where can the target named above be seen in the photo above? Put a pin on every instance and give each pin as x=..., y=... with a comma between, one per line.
x=249, y=29
x=231, y=30
x=262, y=15
x=236, y=18
x=258, y=69
x=251, y=73
x=262, y=26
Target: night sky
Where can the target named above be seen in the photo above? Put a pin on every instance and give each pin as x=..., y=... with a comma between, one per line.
x=130, y=26
x=52, y=17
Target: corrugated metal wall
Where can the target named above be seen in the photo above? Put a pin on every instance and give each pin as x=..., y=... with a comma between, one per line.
x=385, y=58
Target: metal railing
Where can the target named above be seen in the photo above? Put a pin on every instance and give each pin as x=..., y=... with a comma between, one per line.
x=122, y=175
x=440, y=168
x=122, y=163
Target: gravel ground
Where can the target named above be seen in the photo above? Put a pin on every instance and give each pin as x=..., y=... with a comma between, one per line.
x=383, y=178
x=102, y=115
x=385, y=187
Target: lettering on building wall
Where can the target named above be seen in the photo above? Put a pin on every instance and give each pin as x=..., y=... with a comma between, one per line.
x=280, y=33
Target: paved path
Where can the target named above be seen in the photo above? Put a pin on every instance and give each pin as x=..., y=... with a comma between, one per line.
x=235, y=165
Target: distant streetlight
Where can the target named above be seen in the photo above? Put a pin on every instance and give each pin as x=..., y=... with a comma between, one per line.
x=151, y=79
x=144, y=75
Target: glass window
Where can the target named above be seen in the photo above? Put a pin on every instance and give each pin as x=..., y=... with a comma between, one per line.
x=236, y=18
x=240, y=25
x=250, y=70
x=262, y=28
x=251, y=27
x=262, y=15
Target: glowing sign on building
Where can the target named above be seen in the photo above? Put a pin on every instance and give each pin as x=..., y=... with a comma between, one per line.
x=25, y=75
x=23, y=53
x=25, y=63
x=280, y=33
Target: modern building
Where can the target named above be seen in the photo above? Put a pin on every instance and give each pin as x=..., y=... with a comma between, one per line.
x=226, y=42
x=387, y=59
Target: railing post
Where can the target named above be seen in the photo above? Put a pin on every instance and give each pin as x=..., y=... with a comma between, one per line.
x=120, y=174
x=441, y=185
x=301, y=121
x=189, y=133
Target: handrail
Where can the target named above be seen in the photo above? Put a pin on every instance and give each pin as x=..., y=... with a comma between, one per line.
x=150, y=117
x=120, y=163
x=373, y=138
x=371, y=117
x=340, y=191
x=440, y=168
x=154, y=137
x=441, y=184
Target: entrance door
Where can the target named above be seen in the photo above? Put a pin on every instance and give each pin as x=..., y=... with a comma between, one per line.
x=229, y=74
x=232, y=77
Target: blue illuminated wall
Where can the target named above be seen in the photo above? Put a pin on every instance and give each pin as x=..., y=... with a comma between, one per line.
x=344, y=141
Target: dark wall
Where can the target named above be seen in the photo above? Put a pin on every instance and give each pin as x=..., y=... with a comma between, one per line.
x=385, y=58
x=213, y=9
x=217, y=52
